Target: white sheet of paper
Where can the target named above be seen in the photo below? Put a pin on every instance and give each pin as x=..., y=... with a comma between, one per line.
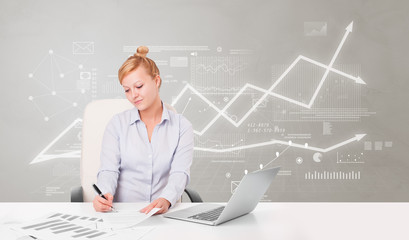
x=115, y=224
x=61, y=226
x=123, y=219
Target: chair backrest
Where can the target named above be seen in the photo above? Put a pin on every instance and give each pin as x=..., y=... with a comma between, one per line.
x=97, y=114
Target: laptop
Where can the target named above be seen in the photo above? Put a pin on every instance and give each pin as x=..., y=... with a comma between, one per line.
x=244, y=200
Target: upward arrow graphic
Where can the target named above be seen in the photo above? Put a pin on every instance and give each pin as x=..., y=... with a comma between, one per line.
x=269, y=92
x=348, y=30
x=274, y=142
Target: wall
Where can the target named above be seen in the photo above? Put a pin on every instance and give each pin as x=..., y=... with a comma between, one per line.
x=318, y=88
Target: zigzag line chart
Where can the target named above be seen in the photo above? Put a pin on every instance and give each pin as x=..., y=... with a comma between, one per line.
x=221, y=112
x=42, y=156
x=223, y=67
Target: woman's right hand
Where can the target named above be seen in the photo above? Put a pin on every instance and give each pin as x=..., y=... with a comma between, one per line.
x=103, y=205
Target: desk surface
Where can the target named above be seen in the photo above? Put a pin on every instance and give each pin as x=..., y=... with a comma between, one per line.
x=268, y=221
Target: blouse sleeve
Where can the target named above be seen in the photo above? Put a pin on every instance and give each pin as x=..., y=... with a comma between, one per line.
x=107, y=177
x=179, y=175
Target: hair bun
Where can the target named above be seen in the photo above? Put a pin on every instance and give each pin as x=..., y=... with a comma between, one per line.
x=142, y=51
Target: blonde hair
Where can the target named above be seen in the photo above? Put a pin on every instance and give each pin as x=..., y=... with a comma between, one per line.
x=137, y=60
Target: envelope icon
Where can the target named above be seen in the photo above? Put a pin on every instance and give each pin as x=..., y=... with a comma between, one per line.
x=85, y=75
x=82, y=47
x=234, y=185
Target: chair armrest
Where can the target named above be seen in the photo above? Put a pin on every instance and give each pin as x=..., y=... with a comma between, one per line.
x=76, y=194
x=193, y=195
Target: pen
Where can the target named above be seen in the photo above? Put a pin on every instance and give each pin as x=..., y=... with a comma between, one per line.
x=100, y=194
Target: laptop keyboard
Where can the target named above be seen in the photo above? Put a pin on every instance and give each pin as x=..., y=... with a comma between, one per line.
x=211, y=215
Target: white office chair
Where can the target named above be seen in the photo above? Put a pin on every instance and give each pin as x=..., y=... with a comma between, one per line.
x=97, y=114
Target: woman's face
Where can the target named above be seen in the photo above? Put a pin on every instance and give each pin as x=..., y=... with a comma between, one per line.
x=140, y=89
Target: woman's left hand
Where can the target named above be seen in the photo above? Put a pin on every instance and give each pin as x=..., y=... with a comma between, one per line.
x=161, y=203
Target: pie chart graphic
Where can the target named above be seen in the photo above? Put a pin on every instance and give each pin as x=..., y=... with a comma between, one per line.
x=317, y=157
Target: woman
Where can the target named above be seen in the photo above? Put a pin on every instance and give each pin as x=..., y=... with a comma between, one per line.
x=146, y=151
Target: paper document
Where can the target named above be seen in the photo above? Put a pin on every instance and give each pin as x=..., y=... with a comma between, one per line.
x=61, y=226
x=123, y=219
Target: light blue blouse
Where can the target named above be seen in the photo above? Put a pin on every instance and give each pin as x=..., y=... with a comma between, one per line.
x=136, y=170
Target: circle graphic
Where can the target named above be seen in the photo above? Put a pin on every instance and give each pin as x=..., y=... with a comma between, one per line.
x=317, y=157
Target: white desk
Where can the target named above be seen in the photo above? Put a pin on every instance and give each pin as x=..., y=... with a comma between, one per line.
x=313, y=221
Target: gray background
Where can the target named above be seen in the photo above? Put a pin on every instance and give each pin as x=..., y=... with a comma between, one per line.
x=217, y=47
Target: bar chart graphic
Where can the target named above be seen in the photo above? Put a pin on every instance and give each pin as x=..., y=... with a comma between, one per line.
x=64, y=226
x=333, y=175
